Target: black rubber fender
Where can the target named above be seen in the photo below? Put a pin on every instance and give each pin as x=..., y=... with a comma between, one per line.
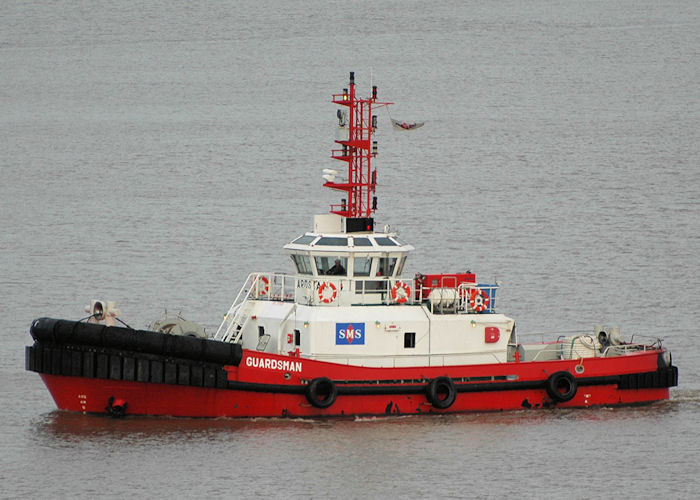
x=65, y=332
x=561, y=386
x=321, y=392
x=438, y=387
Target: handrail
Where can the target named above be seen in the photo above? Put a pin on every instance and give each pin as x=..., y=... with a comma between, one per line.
x=341, y=290
x=335, y=291
x=223, y=333
x=621, y=349
x=558, y=348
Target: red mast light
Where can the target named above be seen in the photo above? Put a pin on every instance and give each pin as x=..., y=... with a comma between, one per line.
x=358, y=150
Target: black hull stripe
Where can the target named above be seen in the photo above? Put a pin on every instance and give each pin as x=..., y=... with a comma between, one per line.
x=81, y=361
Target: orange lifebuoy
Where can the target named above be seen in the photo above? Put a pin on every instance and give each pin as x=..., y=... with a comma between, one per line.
x=322, y=295
x=259, y=290
x=400, y=292
x=478, y=299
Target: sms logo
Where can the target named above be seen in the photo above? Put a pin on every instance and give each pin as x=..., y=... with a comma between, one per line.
x=349, y=333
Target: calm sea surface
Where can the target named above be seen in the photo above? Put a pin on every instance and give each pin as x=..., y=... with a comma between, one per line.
x=156, y=154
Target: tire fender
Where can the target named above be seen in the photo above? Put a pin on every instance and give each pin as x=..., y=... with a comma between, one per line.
x=561, y=386
x=441, y=392
x=321, y=392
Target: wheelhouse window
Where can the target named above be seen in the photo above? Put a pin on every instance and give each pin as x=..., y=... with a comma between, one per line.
x=386, y=266
x=333, y=241
x=304, y=240
x=302, y=263
x=399, y=268
x=362, y=242
x=362, y=266
x=331, y=265
x=385, y=242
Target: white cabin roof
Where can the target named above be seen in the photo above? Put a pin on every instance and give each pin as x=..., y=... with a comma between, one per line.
x=375, y=243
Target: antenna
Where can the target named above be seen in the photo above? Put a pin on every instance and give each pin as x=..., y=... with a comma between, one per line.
x=358, y=151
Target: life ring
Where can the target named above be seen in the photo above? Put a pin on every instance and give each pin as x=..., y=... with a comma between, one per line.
x=322, y=295
x=441, y=392
x=321, y=392
x=478, y=300
x=258, y=290
x=400, y=292
x=561, y=386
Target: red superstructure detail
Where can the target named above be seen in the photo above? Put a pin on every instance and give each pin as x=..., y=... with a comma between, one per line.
x=429, y=281
x=357, y=151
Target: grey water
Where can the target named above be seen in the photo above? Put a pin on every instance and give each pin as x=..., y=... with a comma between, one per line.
x=155, y=153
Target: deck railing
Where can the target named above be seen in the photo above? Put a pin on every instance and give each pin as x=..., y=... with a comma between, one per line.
x=581, y=346
x=342, y=291
x=335, y=291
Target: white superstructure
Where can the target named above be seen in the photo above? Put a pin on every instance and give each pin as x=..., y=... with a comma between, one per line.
x=347, y=285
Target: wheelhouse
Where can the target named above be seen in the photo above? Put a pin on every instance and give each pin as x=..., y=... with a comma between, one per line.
x=380, y=256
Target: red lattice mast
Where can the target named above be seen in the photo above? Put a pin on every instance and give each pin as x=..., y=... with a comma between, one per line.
x=357, y=124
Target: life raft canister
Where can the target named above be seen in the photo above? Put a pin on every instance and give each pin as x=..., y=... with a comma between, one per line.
x=478, y=300
x=261, y=285
x=324, y=296
x=400, y=292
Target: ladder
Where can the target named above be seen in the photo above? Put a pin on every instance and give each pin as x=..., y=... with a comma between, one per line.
x=231, y=327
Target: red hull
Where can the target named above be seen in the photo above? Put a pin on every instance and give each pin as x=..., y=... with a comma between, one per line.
x=91, y=396
x=251, y=391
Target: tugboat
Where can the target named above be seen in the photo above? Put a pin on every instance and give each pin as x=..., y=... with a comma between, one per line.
x=344, y=335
